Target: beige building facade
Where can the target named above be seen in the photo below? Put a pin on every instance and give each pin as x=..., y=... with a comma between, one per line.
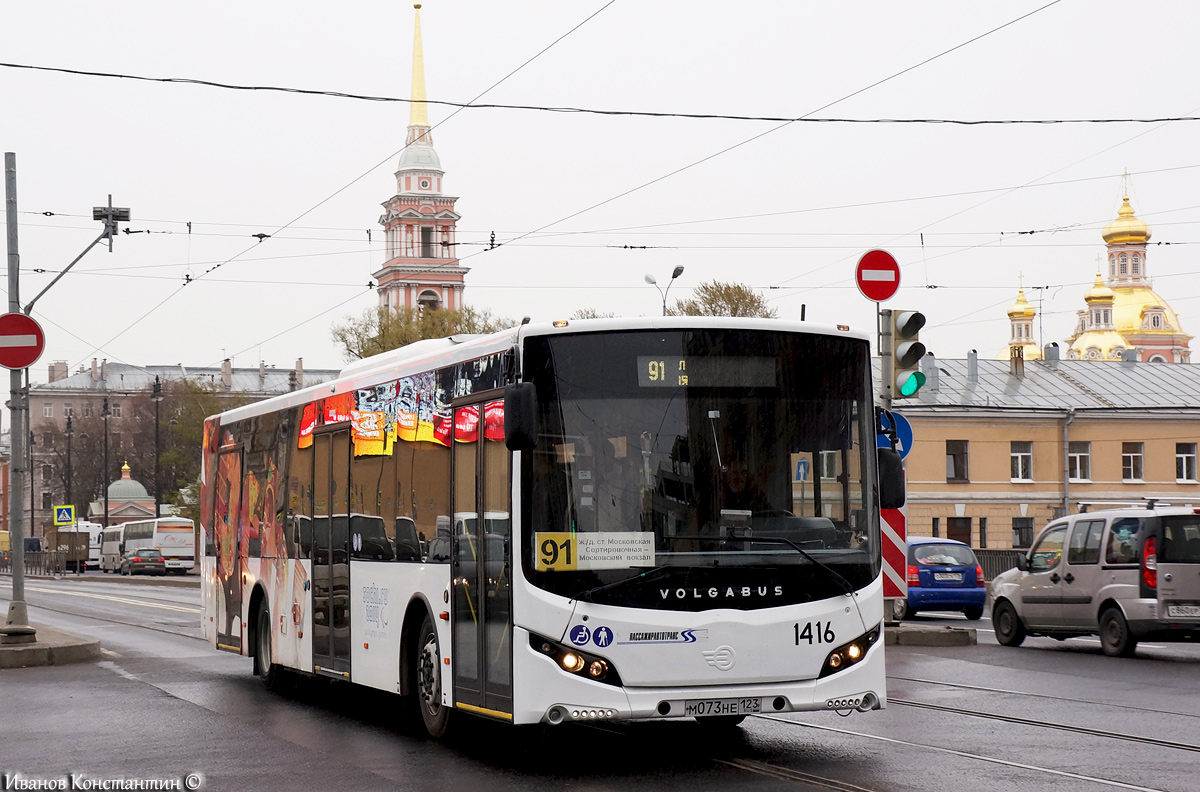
x=1001, y=449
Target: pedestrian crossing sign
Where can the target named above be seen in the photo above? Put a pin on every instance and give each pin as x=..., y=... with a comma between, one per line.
x=64, y=515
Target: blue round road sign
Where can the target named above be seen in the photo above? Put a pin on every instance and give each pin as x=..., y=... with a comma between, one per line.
x=904, y=434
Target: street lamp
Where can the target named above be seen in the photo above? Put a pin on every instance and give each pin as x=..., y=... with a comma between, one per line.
x=104, y=413
x=663, y=292
x=32, y=481
x=70, y=433
x=156, y=394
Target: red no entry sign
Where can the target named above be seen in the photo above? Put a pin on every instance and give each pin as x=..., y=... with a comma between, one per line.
x=21, y=341
x=877, y=275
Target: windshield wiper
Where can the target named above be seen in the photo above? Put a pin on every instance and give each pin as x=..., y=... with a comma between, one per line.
x=833, y=575
x=649, y=573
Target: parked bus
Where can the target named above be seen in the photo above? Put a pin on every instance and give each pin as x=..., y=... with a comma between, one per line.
x=647, y=549
x=112, y=547
x=174, y=537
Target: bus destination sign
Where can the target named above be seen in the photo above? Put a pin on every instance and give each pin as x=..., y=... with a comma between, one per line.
x=656, y=371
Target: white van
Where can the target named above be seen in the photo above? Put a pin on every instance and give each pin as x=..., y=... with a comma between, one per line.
x=1123, y=574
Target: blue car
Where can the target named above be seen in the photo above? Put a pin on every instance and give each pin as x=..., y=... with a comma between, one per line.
x=942, y=575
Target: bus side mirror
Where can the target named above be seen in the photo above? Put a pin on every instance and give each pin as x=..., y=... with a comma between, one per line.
x=891, y=479
x=520, y=414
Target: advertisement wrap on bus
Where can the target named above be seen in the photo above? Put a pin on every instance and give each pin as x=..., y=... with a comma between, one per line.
x=644, y=552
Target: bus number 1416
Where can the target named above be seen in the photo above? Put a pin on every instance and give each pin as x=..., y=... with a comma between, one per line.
x=822, y=633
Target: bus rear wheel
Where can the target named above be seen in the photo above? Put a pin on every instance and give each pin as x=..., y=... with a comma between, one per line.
x=264, y=666
x=435, y=716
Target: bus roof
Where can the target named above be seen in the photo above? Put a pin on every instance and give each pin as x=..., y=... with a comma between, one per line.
x=436, y=353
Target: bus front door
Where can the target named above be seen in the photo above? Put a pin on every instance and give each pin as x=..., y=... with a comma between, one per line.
x=331, y=553
x=481, y=569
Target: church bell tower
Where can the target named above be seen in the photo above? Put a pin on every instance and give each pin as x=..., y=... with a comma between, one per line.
x=422, y=269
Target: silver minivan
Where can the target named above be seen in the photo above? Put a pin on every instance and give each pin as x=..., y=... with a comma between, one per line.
x=1122, y=574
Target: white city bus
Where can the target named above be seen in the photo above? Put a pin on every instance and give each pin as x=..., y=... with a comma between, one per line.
x=112, y=546
x=174, y=537
x=647, y=551
x=94, y=532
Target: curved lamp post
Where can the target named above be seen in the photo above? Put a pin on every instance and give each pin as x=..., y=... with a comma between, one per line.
x=661, y=291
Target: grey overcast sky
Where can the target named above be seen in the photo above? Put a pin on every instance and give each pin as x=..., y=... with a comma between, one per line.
x=788, y=212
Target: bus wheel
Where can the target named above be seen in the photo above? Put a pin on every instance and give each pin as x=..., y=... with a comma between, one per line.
x=267, y=671
x=428, y=689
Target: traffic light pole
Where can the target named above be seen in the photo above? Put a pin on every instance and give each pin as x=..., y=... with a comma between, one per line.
x=886, y=370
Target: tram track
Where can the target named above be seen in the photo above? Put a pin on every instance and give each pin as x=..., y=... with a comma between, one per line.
x=829, y=783
x=1043, y=696
x=1103, y=733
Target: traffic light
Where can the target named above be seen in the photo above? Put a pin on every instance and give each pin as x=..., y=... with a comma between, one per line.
x=907, y=352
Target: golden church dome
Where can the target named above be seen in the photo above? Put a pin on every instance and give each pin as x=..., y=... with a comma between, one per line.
x=1099, y=345
x=1031, y=352
x=1126, y=228
x=1099, y=292
x=1021, y=308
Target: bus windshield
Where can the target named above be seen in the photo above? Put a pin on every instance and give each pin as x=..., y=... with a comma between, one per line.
x=670, y=465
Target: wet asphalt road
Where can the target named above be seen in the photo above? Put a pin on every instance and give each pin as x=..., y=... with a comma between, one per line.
x=163, y=703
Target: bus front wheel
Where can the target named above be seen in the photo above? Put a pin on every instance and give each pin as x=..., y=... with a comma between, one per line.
x=435, y=716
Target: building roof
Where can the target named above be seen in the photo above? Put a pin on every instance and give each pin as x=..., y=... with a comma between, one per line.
x=123, y=377
x=1057, y=384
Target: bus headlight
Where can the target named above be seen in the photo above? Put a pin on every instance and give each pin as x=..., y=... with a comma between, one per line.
x=573, y=661
x=849, y=653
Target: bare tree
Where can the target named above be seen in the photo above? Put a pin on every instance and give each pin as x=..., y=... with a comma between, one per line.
x=380, y=329
x=715, y=298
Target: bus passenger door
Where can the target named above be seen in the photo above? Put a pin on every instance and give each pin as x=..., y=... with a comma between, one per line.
x=481, y=568
x=331, y=553
x=226, y=511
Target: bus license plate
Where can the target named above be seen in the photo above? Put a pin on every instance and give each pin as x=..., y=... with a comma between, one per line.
x=955, y=577
x=1183, y=611
x=731, y=706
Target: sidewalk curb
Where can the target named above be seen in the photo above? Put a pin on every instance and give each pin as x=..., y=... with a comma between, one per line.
x=915, y=635
x=52, y=647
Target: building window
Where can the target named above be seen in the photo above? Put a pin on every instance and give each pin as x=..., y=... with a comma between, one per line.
x=46, y=500
x=115, y=438
x=1131, y=461
x=936, y=532
x=1021, y=460
x=47, y=473
x=1124, y=263
x=115, y=410
x=956, y=460
x=87, y=409
x=983, y=532
x=1079, y=462
x=959, y=529
x=1156, y=321
x=47, y=410
x=829, y=464
x=1022, y=531
x=68, y=410
x=426, y=242
x=1185, y=462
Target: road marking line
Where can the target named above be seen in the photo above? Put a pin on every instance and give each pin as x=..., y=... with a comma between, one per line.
x=181, y=608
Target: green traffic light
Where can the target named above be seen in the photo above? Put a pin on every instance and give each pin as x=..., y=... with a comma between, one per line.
x=909, y=382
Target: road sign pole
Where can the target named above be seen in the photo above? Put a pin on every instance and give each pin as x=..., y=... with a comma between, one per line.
x=16, y=629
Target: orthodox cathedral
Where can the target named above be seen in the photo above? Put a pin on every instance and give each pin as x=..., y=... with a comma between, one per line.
x=1122, y=313
x=422, y=268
